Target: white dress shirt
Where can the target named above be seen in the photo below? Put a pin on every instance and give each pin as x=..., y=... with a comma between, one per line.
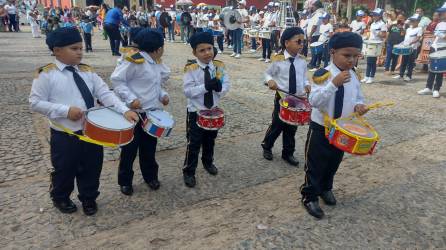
x=358, y=27
x=322, y=96
x=325, y=30
x=143, y=81
x=315, y=21
x=245, y=15
x=411, y=35
x=375, y=29
x=194, y=88
x=279, y=72
x=55, y=91
x=440, y=34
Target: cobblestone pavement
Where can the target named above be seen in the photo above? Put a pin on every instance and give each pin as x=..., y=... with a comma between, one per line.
x=393, y=199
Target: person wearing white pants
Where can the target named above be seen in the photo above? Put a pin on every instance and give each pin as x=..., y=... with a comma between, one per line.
x=34, y=26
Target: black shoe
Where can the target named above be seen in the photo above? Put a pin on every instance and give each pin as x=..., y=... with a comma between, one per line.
x=154, y=184
x=291, y=160
x=117, y=54
x=90, y=207
x=212, y=169
x=267, y=154
x=314, y=209
x=66, y=206
x=329, y=198
x=189, y=180
x=127, y=190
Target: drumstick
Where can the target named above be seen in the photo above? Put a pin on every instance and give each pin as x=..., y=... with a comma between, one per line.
x=141, y=110
x=97, y=108
x=288, y=93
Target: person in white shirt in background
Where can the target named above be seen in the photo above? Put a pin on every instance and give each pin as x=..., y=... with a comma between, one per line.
x=31, y=15
x=275, y=28
x=266, y=42
x=195, y=19
x=424, y=20
x=238, y=33
x=253, y=23
x=412, y=38
x=326, y=31
x=171, y=28
x=377, y=33
x=313, y=29
x=303, y=24
x=204, y=18
x=358, y=26
x=440, y=37
x=216, y=26
x=12, y=16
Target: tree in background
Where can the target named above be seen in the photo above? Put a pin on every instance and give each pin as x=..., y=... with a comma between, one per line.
x=409, y=6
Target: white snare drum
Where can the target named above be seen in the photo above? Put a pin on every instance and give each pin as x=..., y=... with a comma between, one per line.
x=253, y=33
x=158, y=123
x=246, y=32
x=265, y=34
x=109, y=126
x=373, y=48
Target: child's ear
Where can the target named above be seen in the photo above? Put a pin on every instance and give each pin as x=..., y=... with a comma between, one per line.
x=194, y=52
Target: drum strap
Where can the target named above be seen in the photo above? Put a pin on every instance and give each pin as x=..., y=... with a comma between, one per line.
x=82, y=86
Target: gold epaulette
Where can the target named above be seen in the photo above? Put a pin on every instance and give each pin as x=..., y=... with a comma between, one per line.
x=191, y=65
x=218, y=63
x=134, y=57
x=47, y=68
x=125, y=50
x=278, y=58
x=85, y=68
x=321, y=75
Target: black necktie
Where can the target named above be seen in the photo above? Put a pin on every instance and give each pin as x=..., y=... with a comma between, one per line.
x=292, y=80
x=339, y=102
x=82, y=86
x=208, y=96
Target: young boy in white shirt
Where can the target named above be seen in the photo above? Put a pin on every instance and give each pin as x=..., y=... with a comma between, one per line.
x=139, y=80
x=326, y=31
x=357, y=25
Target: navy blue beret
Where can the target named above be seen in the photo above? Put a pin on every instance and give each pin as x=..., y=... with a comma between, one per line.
x=133, y=31
x=344, y=40
x=289, y=33
x=201, y=37
x=62, y=37
x=148, y=39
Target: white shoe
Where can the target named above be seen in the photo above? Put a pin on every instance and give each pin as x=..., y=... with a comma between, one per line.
x=237, y=56
x=397, y=77
x=436, y=94
x=261, y=59
x=425, y=91
x=229, y=46
x=313, y=69
x=364, y=79
x=407, y=79
x=185, y=42
x=267, y=60
x=233, y=54
x=252, y=50
x=370, y=80
x=219, y=52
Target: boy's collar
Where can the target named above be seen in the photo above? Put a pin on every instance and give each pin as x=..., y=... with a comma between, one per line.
x=203, y=65
x=287, y=54
x=61, y=66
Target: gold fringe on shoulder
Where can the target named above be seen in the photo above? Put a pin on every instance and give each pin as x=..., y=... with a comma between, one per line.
x=134, y=57
x=85, y=68
x=47, y=68
x=218, y=63
x=277, y=58
x=191, y=65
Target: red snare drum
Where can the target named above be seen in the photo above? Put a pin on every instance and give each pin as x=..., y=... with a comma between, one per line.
x=211, y=119
x=295, y=111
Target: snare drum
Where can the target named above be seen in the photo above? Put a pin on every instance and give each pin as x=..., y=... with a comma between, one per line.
x=317, y=48
x=109, y=126
x=253, y=33
x=402, y=49
x=352, y=136
x=217, y=32
x=158, y=123
x=265, y=34
x=373, y=48
x=211, y=119
x=294, y=111
x=438, y=62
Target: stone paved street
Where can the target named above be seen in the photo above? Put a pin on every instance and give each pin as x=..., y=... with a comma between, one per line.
x=393, y=199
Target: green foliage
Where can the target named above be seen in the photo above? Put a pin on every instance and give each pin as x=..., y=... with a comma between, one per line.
x=409, y=7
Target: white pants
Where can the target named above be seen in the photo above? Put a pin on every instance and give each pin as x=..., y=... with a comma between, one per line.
x=34, y=27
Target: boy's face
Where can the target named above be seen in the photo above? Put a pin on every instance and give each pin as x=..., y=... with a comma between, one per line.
x=70, y=54
x=204, y=52
x=325, y=20
x=358, y=18
x=345, y=58
x=295, y=44
x=376, y=18
x=414, y=23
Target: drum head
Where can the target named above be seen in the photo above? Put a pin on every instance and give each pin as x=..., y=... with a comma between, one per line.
x=356, y=128
x=108, y=118
x=438, y=55
x=296, y=103
x=161, y=118
x=372, y=42
x=211, y=112
x=315, y=44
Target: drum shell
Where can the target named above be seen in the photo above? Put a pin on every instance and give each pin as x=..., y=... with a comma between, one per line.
x=350, y=144
x=265, y=34
x=210, y=122
x=373, y=49
x=317, y=49
x=293, y=116
x=99, y=133
x=217, y=33
x=155, y=130
x=402, y=50
x=437, y=65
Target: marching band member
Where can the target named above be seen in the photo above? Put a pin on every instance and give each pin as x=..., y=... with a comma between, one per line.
x=203, y=90
x=326, y=31
x=63, y=91
x=287, y=73
x=377, y=33
x=440, y=37
x=337, y=97
x=412, y=38
x=138, y=80
x=220, y=38
x=238, y=33
x=275, y=28
x=266, y=42
x=396, y=36
x=254, y=20
x=358, y=26
x=303, y=24
x=314, y=24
